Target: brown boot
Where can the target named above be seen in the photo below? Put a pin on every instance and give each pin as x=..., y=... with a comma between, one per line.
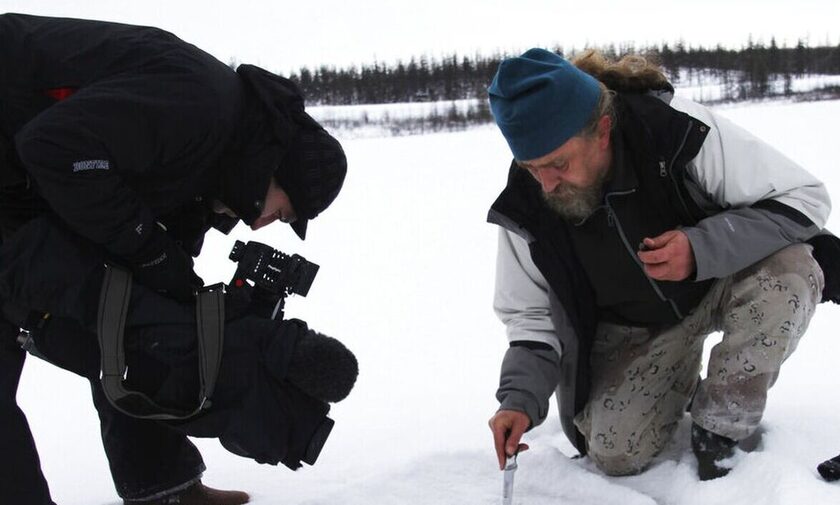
x=197, y=494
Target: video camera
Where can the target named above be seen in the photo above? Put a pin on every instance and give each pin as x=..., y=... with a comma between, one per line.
x=264, y=277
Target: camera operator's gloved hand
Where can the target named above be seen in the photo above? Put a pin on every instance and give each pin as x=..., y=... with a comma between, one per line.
x=163, y=266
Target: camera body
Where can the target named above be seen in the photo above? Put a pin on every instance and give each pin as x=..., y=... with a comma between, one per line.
x=264, y=277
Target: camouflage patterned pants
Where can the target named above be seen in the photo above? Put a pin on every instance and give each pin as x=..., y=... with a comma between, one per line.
x=643, y=380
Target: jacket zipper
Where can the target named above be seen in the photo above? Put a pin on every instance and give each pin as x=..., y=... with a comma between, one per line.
x=612, y=220
x=671, y=168
x=594, y=211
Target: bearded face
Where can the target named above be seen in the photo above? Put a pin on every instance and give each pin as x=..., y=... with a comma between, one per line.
x=572, y=176
x=575, y=203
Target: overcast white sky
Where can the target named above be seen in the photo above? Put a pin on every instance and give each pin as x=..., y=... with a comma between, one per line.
x=282, y=35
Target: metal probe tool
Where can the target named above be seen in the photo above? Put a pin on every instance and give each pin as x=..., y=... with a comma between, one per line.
x=507, y=485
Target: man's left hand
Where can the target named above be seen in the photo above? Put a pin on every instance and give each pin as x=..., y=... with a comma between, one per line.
x=668, y=257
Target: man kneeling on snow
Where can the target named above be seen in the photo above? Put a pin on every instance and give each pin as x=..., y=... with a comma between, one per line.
x=275, y=378
x=635, y=223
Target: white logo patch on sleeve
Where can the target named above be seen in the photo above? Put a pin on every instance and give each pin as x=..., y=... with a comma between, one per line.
x=81, y=166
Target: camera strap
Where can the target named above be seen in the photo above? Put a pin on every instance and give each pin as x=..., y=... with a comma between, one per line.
x=113, y=310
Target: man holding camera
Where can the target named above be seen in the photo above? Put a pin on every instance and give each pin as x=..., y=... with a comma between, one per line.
x=140, y=142
x=229, y=366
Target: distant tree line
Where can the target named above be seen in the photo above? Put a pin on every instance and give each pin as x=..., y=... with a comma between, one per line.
x=418, y=80
x=746, y=73
x=751, y=71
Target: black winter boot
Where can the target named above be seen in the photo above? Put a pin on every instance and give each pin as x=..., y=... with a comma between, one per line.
x=197, y=494
x=830, y=470
x=711, y=449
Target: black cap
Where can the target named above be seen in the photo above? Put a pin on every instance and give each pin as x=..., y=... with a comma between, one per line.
x=311, y=173
x=313, y=167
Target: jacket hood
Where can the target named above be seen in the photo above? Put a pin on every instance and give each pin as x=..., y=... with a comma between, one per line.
x=272, y=114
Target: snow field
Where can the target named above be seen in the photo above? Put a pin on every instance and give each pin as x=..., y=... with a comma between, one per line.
x=407, y=265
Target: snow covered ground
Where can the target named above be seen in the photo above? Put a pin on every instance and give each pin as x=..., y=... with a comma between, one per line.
x=406, y=282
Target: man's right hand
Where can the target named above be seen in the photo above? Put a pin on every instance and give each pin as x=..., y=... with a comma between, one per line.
x=508, y=426
x=163, y=266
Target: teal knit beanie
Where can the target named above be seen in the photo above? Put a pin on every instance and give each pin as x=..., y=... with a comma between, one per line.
x=539, y=101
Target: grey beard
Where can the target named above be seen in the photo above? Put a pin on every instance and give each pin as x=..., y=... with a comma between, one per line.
x=573, y=203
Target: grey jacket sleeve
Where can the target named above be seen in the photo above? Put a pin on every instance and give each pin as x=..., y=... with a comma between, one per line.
x=531, y=366
x=735, y=239
x=530, y=374
x=766, y=201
